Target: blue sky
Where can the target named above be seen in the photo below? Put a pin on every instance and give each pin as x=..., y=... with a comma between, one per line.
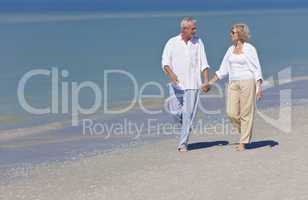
x=147, y=4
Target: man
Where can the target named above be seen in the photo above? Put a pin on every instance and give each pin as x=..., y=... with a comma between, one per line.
x=183, y=60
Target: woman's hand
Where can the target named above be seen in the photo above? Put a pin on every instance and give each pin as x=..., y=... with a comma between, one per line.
x=259, y=90
x=213, y=80
x=207, y=86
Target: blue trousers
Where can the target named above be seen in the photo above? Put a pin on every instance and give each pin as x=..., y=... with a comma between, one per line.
x=183, y=105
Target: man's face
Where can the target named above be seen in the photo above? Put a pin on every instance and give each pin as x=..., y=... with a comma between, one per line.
x=190, y=30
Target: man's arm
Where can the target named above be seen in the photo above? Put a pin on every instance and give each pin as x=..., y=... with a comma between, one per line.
x=205, y=86
x=205, y=73
x=171, y=74
x=204, y=67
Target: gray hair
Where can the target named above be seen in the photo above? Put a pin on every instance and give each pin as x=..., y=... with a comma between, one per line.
x=186, y=20
x=243, y=31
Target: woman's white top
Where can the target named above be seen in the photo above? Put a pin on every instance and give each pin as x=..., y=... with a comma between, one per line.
x=239, y=69
x=241, y=66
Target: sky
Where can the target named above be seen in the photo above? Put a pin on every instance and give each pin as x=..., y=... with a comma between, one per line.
x=127, y=5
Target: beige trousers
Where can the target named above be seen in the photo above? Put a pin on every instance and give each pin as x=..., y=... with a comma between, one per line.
x=241, y=105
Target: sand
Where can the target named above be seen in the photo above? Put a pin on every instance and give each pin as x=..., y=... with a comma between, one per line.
x=276, y=167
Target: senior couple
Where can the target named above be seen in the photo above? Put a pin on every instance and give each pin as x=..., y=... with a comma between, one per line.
x=184, y=61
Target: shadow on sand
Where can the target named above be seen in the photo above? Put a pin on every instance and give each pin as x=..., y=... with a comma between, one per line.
x=252, y=145
x=204, y=145
x=260, y=144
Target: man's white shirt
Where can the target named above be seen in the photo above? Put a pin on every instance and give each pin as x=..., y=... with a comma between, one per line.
x=187, y=60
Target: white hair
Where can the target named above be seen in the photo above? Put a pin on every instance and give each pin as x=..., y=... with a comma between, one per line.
x=185, y=22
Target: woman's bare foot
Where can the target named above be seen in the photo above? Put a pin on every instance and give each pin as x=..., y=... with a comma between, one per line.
x=240, y=147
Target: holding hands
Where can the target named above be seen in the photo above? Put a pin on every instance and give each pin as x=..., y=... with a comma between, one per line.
x=206, y=87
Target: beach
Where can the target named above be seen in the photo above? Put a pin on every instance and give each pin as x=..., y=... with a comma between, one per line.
x=273, y=167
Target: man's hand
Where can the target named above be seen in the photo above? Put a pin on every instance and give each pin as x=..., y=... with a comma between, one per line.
x=174, y=78
x=206, y=87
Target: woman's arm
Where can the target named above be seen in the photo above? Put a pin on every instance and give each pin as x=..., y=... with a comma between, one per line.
x=224, y=67
x=254, y=60
x=223, y=70
x=213, y=80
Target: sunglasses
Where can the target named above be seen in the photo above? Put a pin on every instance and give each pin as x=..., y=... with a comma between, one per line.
x=232, y=32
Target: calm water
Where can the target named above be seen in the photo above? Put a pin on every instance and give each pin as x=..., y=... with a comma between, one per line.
x=87, y=44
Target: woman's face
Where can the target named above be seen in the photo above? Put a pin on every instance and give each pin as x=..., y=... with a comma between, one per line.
x=234, y=35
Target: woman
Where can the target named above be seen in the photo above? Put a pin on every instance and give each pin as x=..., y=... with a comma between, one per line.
x=242, y=64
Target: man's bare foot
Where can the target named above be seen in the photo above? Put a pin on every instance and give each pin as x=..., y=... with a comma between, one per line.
x=182, y=148
x=240, y=147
